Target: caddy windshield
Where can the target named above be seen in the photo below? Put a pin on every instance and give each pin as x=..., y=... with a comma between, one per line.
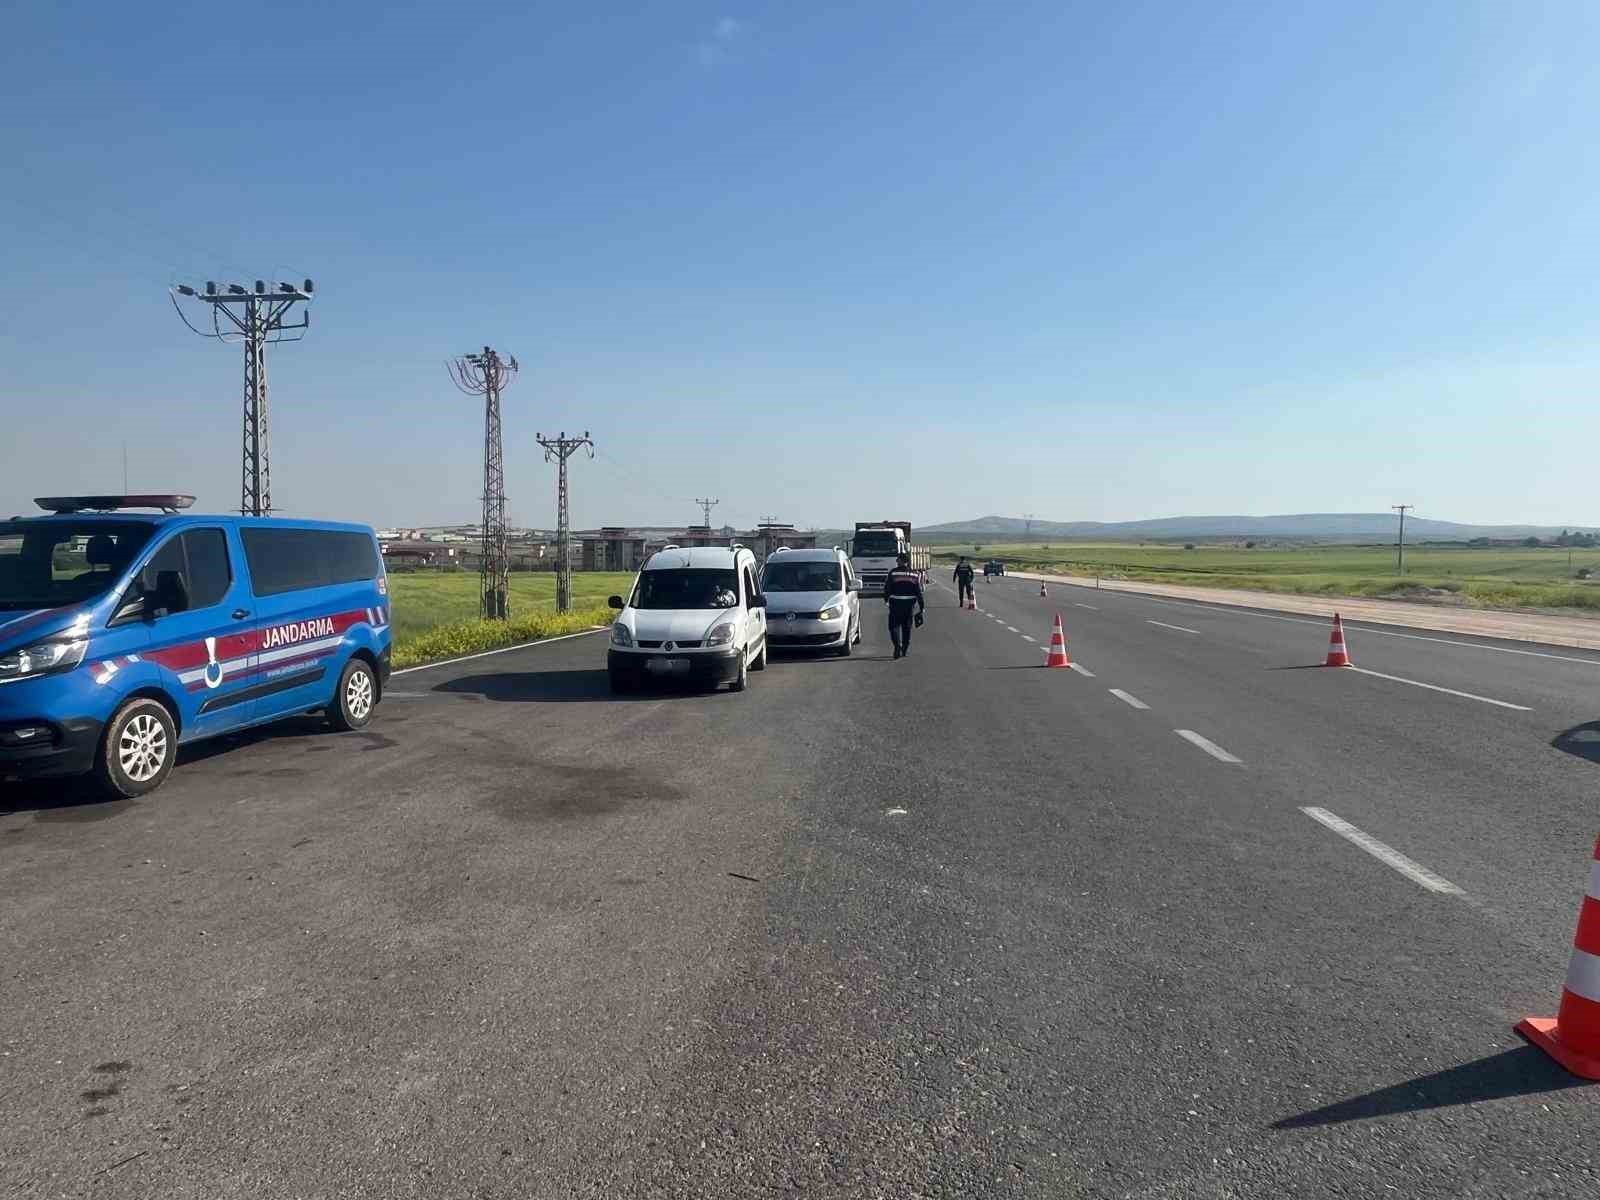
x=50, y=564
x=801, y=577
x=687, y=587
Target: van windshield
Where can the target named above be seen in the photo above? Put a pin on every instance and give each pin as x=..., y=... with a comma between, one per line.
x=687, y=587
x=50, y=564
x=801, y=577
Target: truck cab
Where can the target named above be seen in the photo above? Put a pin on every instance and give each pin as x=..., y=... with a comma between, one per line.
x=873, y=552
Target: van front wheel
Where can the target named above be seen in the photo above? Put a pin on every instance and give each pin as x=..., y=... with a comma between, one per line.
x=138, y=750
x=354, y=698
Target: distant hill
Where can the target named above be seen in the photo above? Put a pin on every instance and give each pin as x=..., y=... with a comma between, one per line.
x=1343, y=526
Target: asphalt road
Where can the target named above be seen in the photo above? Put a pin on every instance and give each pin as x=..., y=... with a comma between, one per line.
x=952, y=926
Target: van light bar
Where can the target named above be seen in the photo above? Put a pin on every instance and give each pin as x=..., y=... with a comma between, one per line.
x=72, y=504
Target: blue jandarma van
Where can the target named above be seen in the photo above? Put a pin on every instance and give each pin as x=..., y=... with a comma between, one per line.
x=124, y=634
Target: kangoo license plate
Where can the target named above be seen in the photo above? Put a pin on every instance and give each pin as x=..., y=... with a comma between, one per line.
x=668, y=666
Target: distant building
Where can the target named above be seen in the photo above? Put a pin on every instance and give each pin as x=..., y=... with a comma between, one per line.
x=770, y=535
x=612, y=548
x=401, y=552
x=703, y=535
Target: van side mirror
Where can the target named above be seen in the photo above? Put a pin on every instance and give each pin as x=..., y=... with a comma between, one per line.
x=171, y=594
x=131, y=609
x=855, y=585
x=759, y=600
x=615, y=602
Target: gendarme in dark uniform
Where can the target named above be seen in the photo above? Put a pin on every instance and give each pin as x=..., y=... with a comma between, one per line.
x=902, y=592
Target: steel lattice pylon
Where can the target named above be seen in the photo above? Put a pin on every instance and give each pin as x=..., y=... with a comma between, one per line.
x=486, y=375
x=258, y=322
x=559, y=449
x=255, y=479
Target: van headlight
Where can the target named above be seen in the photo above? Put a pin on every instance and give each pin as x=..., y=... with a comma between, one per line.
x=45, y=658
x=828, y=614
x=721, y=635
x=620, y=635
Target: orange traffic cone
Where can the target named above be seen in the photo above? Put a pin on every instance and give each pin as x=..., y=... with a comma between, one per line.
x=1058, y=646
x=1572, y=1038
x=1042, y=592
x=1338, y=656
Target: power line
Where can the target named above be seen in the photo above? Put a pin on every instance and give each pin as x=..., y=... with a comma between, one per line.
x=485, y=375
x=707, y=505
x=1400, y=541
x=258, y=323
x=558, y=449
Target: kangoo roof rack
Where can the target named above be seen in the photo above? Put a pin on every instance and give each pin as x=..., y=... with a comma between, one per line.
x=73, y=504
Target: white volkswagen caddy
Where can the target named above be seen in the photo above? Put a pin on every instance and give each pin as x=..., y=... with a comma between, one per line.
x=694, y=615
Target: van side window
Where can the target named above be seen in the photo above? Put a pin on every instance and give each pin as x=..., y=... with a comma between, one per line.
x=750, y=588
x=168, y=558
x=209, y=574
x=291, y=560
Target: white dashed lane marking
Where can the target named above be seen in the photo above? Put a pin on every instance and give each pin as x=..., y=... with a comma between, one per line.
x=1026, y=638
x=1082, y=670
x=1412, y=870
x=1206, y=744
x=1090, y=607
x=1130, y=701
x=1164, y=625
x=1012, y=629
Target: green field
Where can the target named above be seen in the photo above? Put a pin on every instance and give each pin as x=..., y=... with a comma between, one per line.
x=424, y=600
x=1485, y=577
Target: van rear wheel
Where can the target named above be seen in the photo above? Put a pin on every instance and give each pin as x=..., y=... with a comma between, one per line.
x=354, y=698
x=138, y=749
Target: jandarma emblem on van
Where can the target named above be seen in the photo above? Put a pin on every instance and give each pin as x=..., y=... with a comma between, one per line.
x=300, y=631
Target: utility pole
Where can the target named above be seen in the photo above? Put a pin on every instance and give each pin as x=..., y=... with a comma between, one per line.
x=558, y=449
x=707, y=506
x=1028, y=524
x=486, y=375
x=1400, y=546
x=257, y=320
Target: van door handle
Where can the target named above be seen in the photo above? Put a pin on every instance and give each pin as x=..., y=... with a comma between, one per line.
x=240, y=614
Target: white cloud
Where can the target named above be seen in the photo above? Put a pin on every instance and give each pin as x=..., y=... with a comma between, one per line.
x=717, y=44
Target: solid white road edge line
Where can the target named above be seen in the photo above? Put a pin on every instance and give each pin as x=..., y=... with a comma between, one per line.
x=445, y=662
x=1130, y=701
x=1434, y=687
x=1080, y=669
x=1206, y=744
x=1164, y=625
x=1413, y=871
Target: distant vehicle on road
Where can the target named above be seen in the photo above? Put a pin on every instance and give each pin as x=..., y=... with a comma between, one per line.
x=125, y=634
x=994, y=567
x=695, y=614
x=875, y=547
x=813, y=600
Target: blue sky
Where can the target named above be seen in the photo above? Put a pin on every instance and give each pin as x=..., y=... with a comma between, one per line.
x=824, y=261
